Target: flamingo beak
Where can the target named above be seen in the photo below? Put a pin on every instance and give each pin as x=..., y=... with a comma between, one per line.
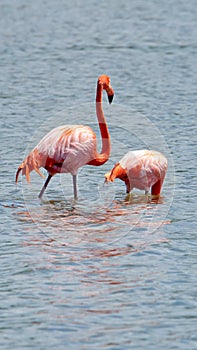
x=110, y=98
x=110, y=94
x=105, y=181
x=107, y=177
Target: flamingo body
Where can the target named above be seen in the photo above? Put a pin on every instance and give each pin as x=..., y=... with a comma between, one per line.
x=66, y=148
x=141, y=169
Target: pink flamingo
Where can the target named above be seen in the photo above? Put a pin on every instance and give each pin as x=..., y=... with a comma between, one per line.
x=141, y=169
x=67, y=148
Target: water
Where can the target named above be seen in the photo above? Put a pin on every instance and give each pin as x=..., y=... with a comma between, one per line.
x=102, y=272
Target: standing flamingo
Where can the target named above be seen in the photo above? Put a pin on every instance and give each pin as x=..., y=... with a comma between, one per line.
x=142, y=169
x=66, y=148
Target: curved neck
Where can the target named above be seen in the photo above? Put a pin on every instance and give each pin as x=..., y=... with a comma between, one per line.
x=105, y=151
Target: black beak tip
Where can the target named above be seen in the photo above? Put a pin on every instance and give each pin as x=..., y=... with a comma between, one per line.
x=110, y=98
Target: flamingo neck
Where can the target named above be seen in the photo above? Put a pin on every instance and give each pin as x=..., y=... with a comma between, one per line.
x=119, y=172
x=105, y=151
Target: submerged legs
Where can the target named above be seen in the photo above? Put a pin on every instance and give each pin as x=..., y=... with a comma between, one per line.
x=75, y=186
x=47, y=182
x=156, y=188
x=45, y=186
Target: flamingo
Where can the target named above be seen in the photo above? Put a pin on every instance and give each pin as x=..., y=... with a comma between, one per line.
x=67, y=148
x=141, y=169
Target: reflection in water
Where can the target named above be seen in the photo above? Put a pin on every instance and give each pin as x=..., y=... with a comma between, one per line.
x=137, y=221
x=95, y=270
x=87, y=254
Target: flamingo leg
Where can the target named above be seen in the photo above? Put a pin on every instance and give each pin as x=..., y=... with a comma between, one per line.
x=156, y=188
x=75, y=186
x=45, y=186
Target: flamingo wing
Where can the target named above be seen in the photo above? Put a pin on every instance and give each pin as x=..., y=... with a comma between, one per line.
x=66, y=148
x=63, y=149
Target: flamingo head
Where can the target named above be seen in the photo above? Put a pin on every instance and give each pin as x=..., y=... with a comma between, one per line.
x=120, y=173
x=116, y=172
x=104, y=82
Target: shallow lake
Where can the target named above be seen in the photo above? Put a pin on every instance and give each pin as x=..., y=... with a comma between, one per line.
x=102, y=272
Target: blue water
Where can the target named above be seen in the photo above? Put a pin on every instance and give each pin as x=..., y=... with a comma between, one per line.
x=102, y=272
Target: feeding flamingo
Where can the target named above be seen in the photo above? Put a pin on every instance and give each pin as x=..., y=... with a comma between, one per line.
x=67, y=148
x=141, y=169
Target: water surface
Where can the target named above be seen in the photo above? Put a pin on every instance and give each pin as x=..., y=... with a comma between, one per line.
x=101, y=272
